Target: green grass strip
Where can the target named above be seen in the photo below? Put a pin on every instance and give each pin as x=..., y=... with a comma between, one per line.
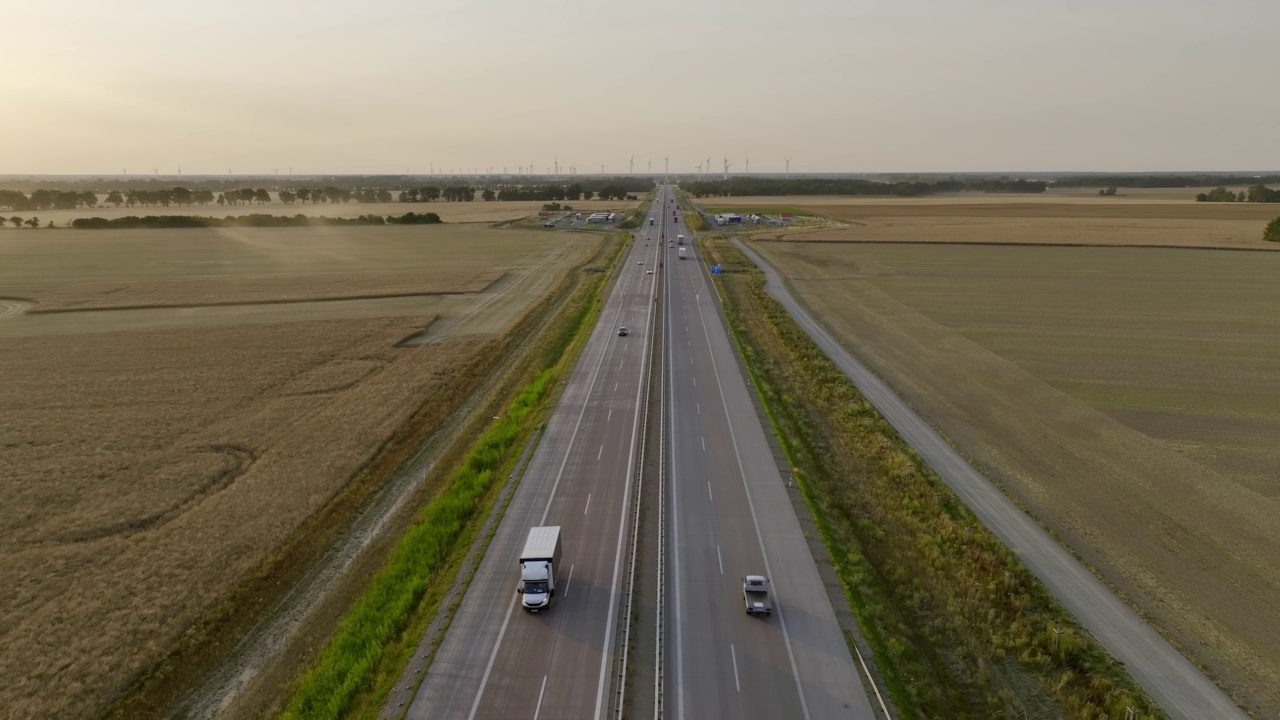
x=348, y=665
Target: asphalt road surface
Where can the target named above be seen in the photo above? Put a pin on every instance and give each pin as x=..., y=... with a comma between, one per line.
x=729, y=516
x=1173, y=682
x=497, y=661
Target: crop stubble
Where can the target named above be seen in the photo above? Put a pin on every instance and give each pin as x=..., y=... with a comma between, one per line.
x=145, y=472
x=1023, y=219
x=1124, y=395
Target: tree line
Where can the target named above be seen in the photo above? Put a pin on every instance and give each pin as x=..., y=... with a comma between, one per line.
x=133, y=222
x=850, y=186
x=1255, y=194
x=18, y=201
x=1162, y=181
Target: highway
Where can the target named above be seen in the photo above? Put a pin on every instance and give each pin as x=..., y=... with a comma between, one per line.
x=497, y=661
x=729, y=516
x=1176, y=685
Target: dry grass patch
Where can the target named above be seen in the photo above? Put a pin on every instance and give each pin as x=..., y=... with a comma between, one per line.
x=1125, y=395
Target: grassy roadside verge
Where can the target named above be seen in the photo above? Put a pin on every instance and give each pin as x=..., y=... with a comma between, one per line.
x=354, y=667
x=959, y=628
x=636, y=217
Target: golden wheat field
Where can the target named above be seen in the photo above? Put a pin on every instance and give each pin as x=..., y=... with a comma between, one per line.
x=194, y=399
x=1148, y=219
x=1125, y=395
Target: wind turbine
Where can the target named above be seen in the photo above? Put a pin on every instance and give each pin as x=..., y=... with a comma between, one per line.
x=557, y=163
x=748, y=167
x=788, y=175
x=156, y=171
x=631, y=165
x=650, y=166
x=179, y=171
x=727, y=165
x=602, y=168
x=666, y=168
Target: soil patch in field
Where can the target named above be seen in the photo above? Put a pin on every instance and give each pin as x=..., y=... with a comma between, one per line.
x=1124, y=395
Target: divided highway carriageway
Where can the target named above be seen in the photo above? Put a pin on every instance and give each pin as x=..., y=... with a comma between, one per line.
x=669, y=390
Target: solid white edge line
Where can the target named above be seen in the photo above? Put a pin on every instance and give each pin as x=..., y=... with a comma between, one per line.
x=720, y=559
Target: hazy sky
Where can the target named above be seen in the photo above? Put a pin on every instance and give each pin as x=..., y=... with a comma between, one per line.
x=383, y=86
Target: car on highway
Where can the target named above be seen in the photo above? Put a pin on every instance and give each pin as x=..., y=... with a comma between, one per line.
x=622, y=332
x=648, y=272
x=549, y=223
x=755, y=594
x=640, y=262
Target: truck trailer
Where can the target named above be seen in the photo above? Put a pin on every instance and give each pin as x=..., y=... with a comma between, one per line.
x=682, y=256
x=538, y=564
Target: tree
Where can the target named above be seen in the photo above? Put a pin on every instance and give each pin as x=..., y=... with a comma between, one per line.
x=115, y=198
x=262, y=196
x=573, y=192
x=1272, y=233
x=303, y=194
x=33, y=222
x=222, y=199
x=17, y=221
x=131, y=198
x=429, y=193
x=586, y=194
x=287, y=197
x=488, y=194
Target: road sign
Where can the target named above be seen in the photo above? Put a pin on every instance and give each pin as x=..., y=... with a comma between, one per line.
x=715, y=269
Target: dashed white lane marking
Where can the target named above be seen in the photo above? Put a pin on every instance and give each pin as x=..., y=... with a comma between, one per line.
x=588, y=507
x=733, y=653
x=565, y=594
x=541, y=692
x=720, y=559
x=599, y=453
x=709, y=492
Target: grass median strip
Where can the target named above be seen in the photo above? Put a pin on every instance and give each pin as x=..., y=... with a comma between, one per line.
x=353, y=661
x=959, y=628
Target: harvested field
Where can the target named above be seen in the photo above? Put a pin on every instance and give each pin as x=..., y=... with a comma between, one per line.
x=1126, y=396
x=1060, y=219
x=477, y=211
x=152, y=459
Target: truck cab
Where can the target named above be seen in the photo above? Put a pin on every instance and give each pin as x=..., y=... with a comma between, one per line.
x=538, y=565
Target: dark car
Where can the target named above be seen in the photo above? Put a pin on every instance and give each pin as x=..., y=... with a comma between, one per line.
x=622, y=332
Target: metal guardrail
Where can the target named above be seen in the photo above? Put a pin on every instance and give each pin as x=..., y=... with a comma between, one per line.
x=660, y=618
x=621, y=677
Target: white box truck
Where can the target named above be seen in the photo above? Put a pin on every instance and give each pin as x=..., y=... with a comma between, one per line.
x=538, y=564
x=681, y=253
